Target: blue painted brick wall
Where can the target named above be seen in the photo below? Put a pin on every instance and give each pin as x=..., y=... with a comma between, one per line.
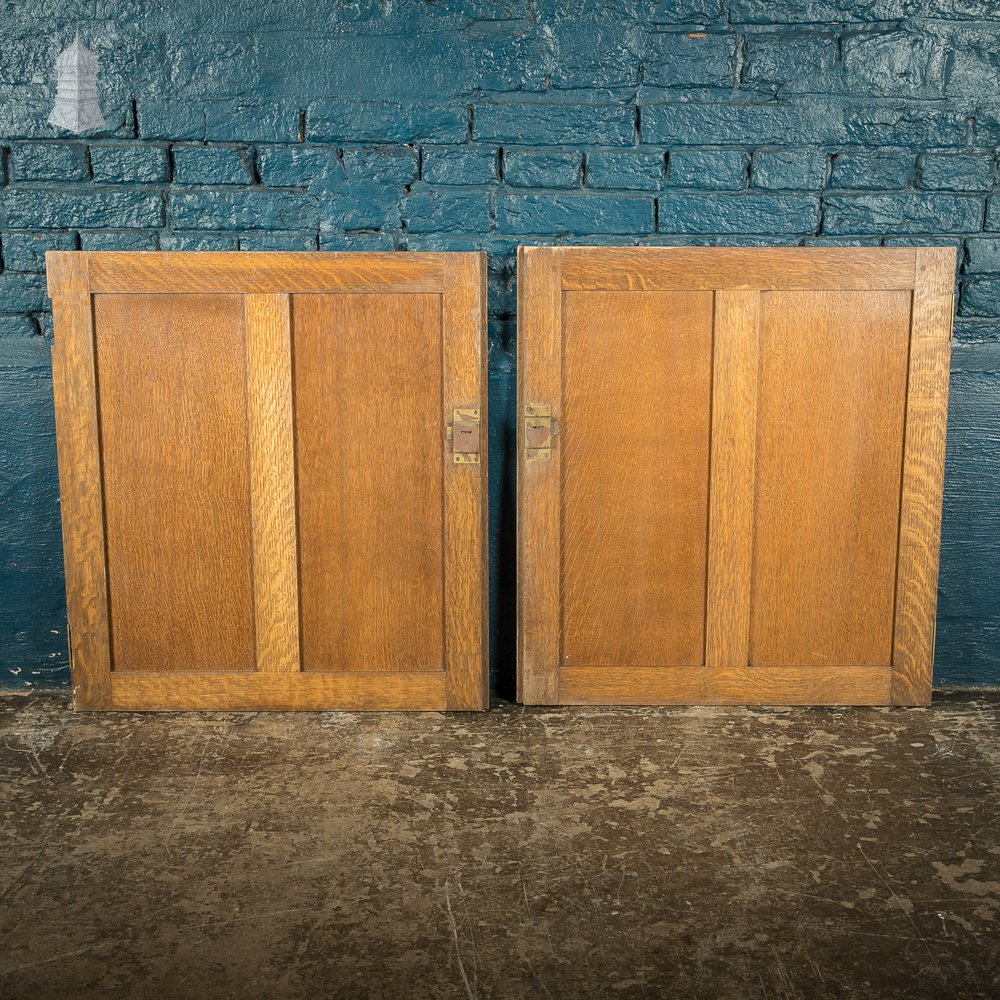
x=464, y=125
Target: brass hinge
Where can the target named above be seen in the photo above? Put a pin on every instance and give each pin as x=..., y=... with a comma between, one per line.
x=539, y=429
x=463, y=433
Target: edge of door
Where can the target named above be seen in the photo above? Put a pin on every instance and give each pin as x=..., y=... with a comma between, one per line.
x=80, y=481
x=922, y=484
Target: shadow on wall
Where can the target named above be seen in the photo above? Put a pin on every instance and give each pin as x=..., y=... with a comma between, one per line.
x=503, y=528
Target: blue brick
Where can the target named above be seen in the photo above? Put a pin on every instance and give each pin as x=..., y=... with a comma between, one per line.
x=689, y=212
x=25, y=351
x=982, y=254
x=245, y=209
x=986, y=130
x=137, y=164
x=129, y=239
x=903, y=124
x=816, y=11
x=198, y=241
x=901, y=213
x=816, y=121
x=981, y=297
x=361, y=205
x=871, y=172
x=789, y=169
x=92, y=208
x=17, y=326
x=578, y=56
x=47, y=162
x=992, y=216
x=221, y=121
x=459, y=166
x=255, y=242
x=356, y=241
x=432, y=211
x=381, y=166
x=504, y=62
x=525, y=168
x=295, y=166
x=549, y=124
x=969, y=330
x=682, y=11
x=210, y=165
x=689, y=60
x=720, y=170
x=898, y=63
x=692, y=124
x=574, y=213
x=789, y=62
x=624, y=170
x=26, y=251
x=974, y=69
x=22, y=293
x=386, y=121
x=956, y=172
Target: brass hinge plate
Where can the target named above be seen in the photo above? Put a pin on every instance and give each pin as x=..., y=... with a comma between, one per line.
x=464, y=433
x=539, y=427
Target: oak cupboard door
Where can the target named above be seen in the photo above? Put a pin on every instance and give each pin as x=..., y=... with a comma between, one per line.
x=729, y=473
x=272, y=472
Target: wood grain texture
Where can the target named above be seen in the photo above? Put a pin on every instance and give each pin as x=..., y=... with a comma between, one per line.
x=274, y=692
x=923, y=477
x=830, y=410
x=171, y=374
x=463, y=332
x=539, y=380
x=162, y=273
x=734, y=439
x=637, y=372
x=736, y=268
x=789, y=685
x=368, y=406
x=272, y=481
x=199, y=418
x=81, y=496
x=816, y=500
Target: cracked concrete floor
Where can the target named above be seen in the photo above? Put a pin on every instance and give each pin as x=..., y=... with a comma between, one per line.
x=573, y=853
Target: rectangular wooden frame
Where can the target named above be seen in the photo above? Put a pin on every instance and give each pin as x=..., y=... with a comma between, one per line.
x=266, y=280
x=738, y=276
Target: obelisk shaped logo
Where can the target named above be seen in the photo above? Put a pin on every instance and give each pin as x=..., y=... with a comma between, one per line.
x=77, y=107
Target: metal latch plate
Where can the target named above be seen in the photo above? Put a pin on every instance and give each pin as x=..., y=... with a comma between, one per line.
x=538, y=431
x=465, y=436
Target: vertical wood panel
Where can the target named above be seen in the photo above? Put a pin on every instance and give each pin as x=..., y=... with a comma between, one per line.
x=923, y=474
x=539, y=377
x=829, y=455
x=272, y=482
x=81, y=500
x=464, y=378
x=171, y=374
x=731, y=494
x=368, y=401
x=637, y=372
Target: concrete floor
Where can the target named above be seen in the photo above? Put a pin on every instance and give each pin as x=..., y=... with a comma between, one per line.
x=521, y=853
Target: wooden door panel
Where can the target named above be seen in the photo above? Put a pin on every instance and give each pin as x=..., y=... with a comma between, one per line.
x=829, y=463
x=263, y=507
x=369, y=473
x=636, y=403
x=741, y=501
x=176, y=480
